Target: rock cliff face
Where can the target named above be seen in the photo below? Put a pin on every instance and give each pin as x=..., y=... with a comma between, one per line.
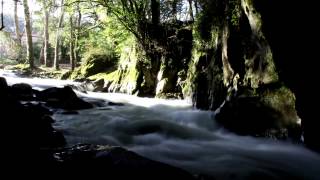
x=157, y=68
x=234, y=65
x=238, y=53
x=258, y=60
x=293, y=34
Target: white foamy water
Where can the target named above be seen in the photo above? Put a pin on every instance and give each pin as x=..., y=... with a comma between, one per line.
x=171, y=131
x=36, y=83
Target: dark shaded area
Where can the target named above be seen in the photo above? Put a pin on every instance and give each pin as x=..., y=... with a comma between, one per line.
x=167, y=47
x=42, y=148
x=292, y=32
x=239, y=43
x=105, y=161
x=289, y=28
x=200, y=96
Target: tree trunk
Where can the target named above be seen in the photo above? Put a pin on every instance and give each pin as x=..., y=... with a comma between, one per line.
x=16, y=23
x=41, y=57
x=191, y=10
x=71, y=52
x=155, y=9
x=2, y=24
x=30, y=56
x=227, y=69
x=77, y=35
x=58, y=34
x=17, y=30
x=196, y=6
x=46, y=34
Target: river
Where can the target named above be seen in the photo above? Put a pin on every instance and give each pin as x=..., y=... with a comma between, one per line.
x=171, y=131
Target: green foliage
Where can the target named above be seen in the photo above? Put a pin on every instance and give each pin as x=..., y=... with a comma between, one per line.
x=8, y=47
x=211, y=17
x=4, y=61
x=21, y=67
x=235, y=11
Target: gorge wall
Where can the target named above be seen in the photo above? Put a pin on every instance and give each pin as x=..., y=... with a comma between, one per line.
x=237, y=58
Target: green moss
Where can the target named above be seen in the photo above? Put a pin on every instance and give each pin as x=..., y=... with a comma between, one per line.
x=235, y=8
x=278, y=97
x=124, y=79
x=22, y=67
x=76, y=74
x=253, y=16
x=66, y=75
x=192, y=73
x=282, y=100
x=272, y=75
x=98, y=60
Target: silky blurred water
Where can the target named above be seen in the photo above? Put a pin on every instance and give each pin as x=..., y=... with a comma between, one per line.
x=172, y=132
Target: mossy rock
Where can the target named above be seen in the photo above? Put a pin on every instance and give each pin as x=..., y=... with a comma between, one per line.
x=169, y=96
x=98, y=61
x=282, y=100
x=267, y=112
x=66, y=75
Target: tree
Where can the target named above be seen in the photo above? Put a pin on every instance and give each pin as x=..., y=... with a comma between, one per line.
x=71, y=53
x=77, y=34
x=58, y=37
x=191, y=10
x=196, y=6
x=45, y=33
x=2, y=25
x=16, y=23
x=30, y=56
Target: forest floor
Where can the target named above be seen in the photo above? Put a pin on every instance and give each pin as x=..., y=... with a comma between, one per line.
x=39, y=71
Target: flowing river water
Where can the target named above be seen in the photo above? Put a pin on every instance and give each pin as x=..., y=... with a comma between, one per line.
x=171, y=131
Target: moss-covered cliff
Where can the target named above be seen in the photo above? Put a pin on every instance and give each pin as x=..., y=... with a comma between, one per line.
x=157, y=68
x=231, y=59
x=233, y=71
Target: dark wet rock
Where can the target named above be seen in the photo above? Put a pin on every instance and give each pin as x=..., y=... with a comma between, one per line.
x=250, y=116
x=98, y=85
x=116, y=162
x=115, y=104
x=30, y=125
x=64, y=98
x=84, y=87
x=170, y=96
x=22, y=91
x=66, y=75
x=39, y=109
x=3, y=85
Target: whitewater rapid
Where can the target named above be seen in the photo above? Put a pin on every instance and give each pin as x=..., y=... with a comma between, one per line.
x=171, y=131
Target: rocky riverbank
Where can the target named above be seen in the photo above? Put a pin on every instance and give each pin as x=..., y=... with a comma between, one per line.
x=26, y=111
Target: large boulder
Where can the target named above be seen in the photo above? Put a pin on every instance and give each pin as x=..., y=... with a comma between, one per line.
x=64, y=98
x=112, y=162
x=271, y=114
x=95, y=61
x=3, y=85
x=29, y=123
x=22, y=91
